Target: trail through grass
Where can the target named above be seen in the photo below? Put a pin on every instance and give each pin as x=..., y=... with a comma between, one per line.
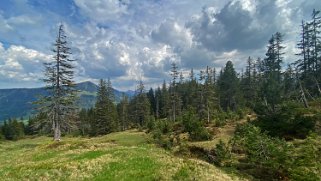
x=117, y=156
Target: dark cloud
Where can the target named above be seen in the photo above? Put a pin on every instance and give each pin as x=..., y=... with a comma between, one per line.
x=171, y=33
x=129, y=40
x=197, y=58
x=235, y=26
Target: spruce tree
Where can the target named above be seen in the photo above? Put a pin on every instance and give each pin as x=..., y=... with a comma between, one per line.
x=152, y=101
x=58, y=105
x=140, y=106
x=271, y=67
x=209, y=92
x=165, y=103
x=228, y=85
x=105, y=111
x=174, y=96
x=122, y=109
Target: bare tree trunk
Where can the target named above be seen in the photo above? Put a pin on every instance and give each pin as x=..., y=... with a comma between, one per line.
x=57, y=132
x=305, y=102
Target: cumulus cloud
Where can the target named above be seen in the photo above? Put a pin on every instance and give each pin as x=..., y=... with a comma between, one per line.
x=129, y=40
x=103, y=10
x=19, y=64
x=171, y=33
x=236, y=26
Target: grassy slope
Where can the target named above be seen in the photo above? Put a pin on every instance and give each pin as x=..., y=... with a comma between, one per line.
x=118, y=156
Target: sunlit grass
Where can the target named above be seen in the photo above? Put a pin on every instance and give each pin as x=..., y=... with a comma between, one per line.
x=117, y=156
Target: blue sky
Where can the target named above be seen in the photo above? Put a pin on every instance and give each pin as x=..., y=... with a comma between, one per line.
x=129, y=40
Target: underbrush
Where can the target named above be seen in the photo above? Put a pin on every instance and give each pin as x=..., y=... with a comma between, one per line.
x=288, y=121
x=256, y=153
x=170, y=134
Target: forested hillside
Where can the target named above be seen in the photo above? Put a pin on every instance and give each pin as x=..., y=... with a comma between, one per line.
x=10, y=98
x=261, y=123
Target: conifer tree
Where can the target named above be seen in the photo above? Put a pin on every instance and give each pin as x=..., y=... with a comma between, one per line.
x=272, y=85
x=248, y=83
x=122, y=109
x=174, y=96
x=58, y=105
x=152, y=101
x=209, y=92
x=140, y=106
x=158, y=102
x=228, y=86
x=165, y=103
x=105, y=111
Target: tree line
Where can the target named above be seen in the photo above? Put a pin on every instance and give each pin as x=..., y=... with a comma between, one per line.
x=210, y=93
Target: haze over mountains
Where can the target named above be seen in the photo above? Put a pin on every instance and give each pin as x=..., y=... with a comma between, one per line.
x=16, y=103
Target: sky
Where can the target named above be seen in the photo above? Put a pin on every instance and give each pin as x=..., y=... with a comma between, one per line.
x=132, y=40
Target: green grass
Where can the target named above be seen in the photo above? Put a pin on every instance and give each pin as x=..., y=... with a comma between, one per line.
x=117, y=156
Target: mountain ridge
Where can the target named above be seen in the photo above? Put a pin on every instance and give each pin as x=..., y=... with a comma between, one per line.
x=17, y=102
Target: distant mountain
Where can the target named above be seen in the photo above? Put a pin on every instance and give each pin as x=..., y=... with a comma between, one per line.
x=16, y=103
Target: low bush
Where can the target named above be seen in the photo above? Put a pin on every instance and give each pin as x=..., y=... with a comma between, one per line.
x=306, y=159
x=271, y=157
x=266, y=154
x=151, y=124
x=288, y=121
x=162, y=134
x=194, y=127
x=222, y=154
x=1, y=137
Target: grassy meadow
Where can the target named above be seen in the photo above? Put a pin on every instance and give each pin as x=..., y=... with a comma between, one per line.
x=117, y=156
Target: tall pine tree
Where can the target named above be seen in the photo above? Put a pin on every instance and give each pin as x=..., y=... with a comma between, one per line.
x=59, y=103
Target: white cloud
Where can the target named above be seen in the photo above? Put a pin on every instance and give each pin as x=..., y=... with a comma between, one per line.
x=19, y=64
x=23, y=20
x=128, y=40
x=4, y=25
x=102, y=10
x=171, y=33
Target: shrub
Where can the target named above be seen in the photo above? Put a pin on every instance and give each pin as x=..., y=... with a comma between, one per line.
x=219, y=123
x=289, y=121
x=162, y=134
x=200, y=134
x=222, y=153
x=194, y=127
x=1, y=137
x=151, y=124
x=241, y=113
x=307, y=163
x=265, y=153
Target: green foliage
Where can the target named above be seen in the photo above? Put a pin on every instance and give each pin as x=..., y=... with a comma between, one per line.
x=222, y=154
x=194, y=127
x=139, y=107
x=162, y=134
x=222, y=117
x=183, y=174
x=228, y=85
x=12, y=130
x=289, y=121
x=151, y=124
x=59, y=103
x=270, y=155
x=1, y=135
x=307, y=163
x=105, y=110
x=90, y=155
x=271, y=87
